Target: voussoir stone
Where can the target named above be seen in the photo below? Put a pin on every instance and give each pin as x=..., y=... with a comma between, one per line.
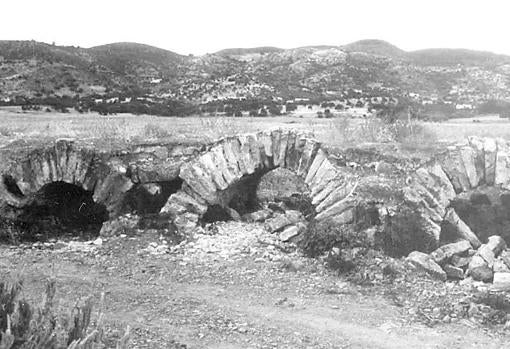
x=463, y=230
x=445, y=252
x=425, y=262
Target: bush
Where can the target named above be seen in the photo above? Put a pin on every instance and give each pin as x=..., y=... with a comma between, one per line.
x=155, y=131
x=322, y=236
x=25, y=326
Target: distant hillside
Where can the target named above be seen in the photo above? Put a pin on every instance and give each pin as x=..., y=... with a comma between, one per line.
x=375, y=47
x=449, y=57
x=124, y=57
x=245, y=51
x=368, y=69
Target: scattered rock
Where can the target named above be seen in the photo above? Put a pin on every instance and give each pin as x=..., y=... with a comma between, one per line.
x=292, y=231
x=501, y=282
x=258, y=216
x=496, y=244
x=125, y=224
x=479, y=269
x=505, y=257
x=460, y=262
x=281, y=221
x=426, y=263
x=445, y=252
x=453, y=272
x=233, y=214
x=487, y=254
x=500, y=266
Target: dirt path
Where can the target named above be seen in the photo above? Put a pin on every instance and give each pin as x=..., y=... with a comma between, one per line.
x=242, y=301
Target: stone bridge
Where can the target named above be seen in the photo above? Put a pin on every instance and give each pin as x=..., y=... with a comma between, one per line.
x=205, y=176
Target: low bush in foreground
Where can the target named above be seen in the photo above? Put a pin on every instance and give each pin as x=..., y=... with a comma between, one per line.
x=23, y=325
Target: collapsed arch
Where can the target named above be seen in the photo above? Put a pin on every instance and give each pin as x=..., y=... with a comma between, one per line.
x=214, y=173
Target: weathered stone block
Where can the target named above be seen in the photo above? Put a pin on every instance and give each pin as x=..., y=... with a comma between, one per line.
x=500, y=267
x=453, y=165
x=496, y=244
x=490, y=155
x=453, y=272
x=501, y=282
x=317, y=162
x=280, y=221
x=471, y=165
x=258, y=216
x=424, y=262
x=479, y=269
x=209, y=166
x=292, y=231
x=463, y=230
x=335, y=196
x=460, y=262
x=445, y=252
x=307, y=157
x=502, y=172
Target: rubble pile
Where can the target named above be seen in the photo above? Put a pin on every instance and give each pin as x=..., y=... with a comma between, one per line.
x=490, y=262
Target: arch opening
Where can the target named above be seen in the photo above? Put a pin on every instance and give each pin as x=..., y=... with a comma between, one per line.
x=147, y=199
x=12, y=186
x=485, y=210
x=276, y=190
x=58, y=209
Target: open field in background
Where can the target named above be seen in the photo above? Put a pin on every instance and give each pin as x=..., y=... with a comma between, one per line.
x=339, y=132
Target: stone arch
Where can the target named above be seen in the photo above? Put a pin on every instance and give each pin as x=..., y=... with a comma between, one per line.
x=225, y=163
x=460, y=169
x=63, y=162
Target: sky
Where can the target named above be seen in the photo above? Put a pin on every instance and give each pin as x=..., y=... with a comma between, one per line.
x=206, y=26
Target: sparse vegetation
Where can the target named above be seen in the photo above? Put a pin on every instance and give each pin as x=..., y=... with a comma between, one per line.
x=23, y=325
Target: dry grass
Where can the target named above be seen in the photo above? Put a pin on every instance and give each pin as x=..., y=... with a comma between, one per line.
x=340, y=132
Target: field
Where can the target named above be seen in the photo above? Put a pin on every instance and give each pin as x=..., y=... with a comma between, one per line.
x=233, y=286
x=127, y=128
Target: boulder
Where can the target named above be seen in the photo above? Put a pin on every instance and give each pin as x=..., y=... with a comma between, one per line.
x=453, y=272
x=487, y=254
x=479, y=269
x=500, y=267
x=460, y=262
x=425, y=262
x=505, y=257
x=126, y=224
x=445, y=252
x=496, y=244
x=291, y=232
x=280, y=221
x=233, y=214
x=501, y=282
x=257, y=216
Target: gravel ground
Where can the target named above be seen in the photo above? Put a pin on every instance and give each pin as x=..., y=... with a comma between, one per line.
x=236, y=286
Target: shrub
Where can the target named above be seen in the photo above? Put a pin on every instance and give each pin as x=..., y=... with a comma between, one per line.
x=25, y=326
x=155, y=131
x=322, y=236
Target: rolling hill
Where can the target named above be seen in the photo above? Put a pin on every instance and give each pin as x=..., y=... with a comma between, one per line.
x=370, y=67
